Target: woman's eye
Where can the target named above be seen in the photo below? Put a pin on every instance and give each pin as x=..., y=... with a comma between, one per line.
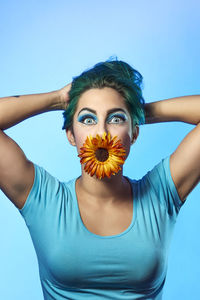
x=117, y=119
x=88, y=120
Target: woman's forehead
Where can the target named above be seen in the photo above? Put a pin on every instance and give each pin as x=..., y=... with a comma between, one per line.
x=101, y=99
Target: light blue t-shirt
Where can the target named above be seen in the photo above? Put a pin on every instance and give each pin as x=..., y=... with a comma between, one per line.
x=77, y=264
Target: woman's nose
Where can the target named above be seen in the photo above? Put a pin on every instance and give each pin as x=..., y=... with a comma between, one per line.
x=102, y=128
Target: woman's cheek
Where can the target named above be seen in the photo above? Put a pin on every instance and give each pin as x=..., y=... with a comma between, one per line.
x=80, y=141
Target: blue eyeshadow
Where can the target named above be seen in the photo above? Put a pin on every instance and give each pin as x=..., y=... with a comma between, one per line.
x=123, y=116
x=81, y=118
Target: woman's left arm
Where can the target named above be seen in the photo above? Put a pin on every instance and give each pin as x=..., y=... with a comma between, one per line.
x=185, y=160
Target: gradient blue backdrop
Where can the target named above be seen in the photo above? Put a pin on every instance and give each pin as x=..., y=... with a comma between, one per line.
x=43, y=45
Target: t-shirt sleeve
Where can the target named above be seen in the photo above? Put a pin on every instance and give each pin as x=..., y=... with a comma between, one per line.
x=43, y=193
x=160, y=180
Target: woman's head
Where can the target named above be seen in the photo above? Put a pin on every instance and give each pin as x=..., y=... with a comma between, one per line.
x=114, y=74
x=102, y=111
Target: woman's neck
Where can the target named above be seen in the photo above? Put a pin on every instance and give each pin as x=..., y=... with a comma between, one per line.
x=103, y=191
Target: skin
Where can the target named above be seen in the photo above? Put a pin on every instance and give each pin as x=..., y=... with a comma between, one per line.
x=107, y=190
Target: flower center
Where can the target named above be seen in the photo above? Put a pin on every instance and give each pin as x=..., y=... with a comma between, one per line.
x=102, y=154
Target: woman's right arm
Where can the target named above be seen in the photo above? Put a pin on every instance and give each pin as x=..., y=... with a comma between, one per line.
x=16, y=171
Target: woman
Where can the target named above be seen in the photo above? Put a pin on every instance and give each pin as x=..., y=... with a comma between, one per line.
x=101, y=235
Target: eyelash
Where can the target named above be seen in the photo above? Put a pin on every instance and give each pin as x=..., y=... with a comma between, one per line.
x=82, y=119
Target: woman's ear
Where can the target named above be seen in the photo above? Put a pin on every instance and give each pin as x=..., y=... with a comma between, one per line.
x=135, y=134
x=70, y=136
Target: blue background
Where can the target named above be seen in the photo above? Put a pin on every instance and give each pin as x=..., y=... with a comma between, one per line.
x=46, y=43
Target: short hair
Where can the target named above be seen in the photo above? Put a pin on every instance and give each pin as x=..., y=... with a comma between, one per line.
x=115, y=74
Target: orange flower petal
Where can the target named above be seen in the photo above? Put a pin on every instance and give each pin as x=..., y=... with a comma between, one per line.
x=107, y=170
x=101, y=171
x=98, y=171
x=88, y=165
x=85, y=159
x=93, y=170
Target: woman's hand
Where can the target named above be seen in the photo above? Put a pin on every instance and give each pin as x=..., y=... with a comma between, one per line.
x=64, y=96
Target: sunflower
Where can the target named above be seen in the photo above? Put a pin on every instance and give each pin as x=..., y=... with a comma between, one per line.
x=102, y=156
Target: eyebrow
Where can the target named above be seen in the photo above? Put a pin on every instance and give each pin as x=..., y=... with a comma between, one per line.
x=109, y=111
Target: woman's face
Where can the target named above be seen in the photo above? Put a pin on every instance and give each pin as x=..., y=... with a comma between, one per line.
x=99, y=111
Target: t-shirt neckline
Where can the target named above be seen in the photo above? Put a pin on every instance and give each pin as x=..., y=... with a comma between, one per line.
x=134, y=212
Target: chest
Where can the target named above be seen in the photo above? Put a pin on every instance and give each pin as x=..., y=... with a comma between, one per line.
x=77, y=259
x=107, y=221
